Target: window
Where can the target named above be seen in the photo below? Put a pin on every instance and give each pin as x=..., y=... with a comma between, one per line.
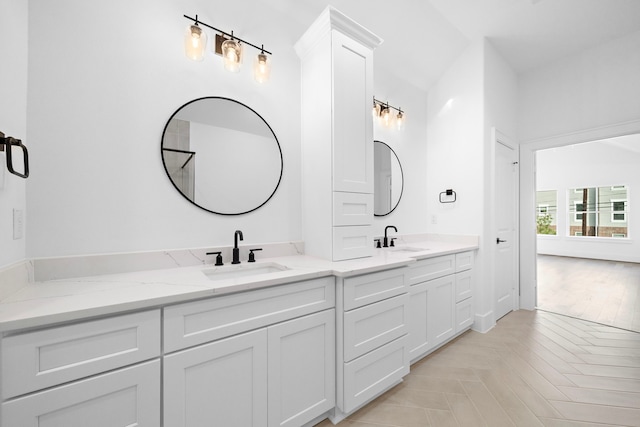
x=618, y=210
x=546, y=208
x=599, y=211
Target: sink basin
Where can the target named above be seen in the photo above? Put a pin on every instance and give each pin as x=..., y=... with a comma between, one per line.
x=407, y=249
x=243, y=270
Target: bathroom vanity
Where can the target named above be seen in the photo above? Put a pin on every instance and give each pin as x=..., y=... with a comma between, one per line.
x=281, y=347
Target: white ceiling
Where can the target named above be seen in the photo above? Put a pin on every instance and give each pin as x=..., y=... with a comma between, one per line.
x=423, y=37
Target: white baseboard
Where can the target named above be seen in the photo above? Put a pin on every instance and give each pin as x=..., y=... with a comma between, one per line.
x=484, y=322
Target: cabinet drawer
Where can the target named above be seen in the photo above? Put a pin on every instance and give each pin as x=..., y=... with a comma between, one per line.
x=370, y=327
x=431, y=268
x=464, y=285
x=189, y=324
x=464, y=261
x=352, y=208
x=464, y=314
x=373, y=373
x=127, y=397
x=48, y=357
x=374, y=287
x=352, y=242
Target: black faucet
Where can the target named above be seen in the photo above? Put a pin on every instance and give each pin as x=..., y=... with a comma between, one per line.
x=236, y=251
x=385, y=242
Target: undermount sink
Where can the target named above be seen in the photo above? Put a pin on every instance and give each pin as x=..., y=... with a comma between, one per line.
x=408, y=249
x=243, y=270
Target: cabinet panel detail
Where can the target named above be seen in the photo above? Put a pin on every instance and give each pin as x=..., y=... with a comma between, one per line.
x=352, y=242
x=301, y=369
x=374, y=325
x=431, y=268
x=352, y=209
x=464, y=285
x=353, y=129
x=369, y=288
x=202, y=321
x=48, y=357
x=464, y=314
x=225, y=381
x=442, y=307
x=464, y=261
x=123, y=398
x=418, y=338
x=371, y=374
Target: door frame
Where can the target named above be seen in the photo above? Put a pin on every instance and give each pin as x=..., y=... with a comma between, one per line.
x=498, y=137
x=528, y=240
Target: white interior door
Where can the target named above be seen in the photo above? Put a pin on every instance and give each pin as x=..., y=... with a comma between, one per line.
x=506, y=199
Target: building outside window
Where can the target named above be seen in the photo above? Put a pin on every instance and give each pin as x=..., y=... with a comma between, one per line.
x=599, y=211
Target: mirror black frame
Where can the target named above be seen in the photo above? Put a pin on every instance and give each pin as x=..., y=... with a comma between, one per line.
x=162, y=149
x=401, y=175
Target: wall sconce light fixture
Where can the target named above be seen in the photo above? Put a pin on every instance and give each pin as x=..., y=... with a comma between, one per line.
x=226, y=45
x=388, y=115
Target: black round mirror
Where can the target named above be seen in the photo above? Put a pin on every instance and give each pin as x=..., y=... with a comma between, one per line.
x=221, y=155
x=388, y=179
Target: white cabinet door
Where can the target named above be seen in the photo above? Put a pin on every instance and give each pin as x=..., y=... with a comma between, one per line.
x=352, y=122
x=419, y=339
x=123, y=398
x=222, y=383
x=301, y=369
x=441, y=304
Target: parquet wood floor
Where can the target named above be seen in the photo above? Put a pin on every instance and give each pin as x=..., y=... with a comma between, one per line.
x=606, y=292
x=534, y=368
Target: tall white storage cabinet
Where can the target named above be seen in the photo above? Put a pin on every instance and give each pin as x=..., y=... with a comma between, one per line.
x=337, y=137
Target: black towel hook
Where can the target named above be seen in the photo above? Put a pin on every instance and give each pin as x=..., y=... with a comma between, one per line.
x=13, y=142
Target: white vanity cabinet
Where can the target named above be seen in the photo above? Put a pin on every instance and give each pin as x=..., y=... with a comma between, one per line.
x=372, y=352
x=102, y=372
x=337, y=137
x=441, y=301
x=260, y=358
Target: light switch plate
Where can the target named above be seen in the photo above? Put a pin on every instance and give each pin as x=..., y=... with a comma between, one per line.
x=18, y=224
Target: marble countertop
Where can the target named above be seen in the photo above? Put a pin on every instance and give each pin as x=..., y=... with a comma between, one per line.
x=49, y=302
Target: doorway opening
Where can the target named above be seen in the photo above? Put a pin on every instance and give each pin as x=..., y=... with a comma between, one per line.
x=587, y=260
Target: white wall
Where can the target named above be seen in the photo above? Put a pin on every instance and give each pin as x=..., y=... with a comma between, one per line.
x=595, y=88
x=103, y=80
x=581, y=98
x=411, y=146
x=13, y=121
x=455, y=160
x=594, y=164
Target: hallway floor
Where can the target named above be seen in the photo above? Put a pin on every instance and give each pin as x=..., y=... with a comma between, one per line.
x=606, y=292
x=533, y=369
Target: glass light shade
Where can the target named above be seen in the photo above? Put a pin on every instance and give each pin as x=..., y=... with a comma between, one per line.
x=262, y=68
x=232, y=55
x=376, y=110
x=195, y=41
x=400, y=120
x=386, y=117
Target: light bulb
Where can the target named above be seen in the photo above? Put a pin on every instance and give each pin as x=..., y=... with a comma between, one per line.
x=262, y=68
x=386, y=117
x=231, y=52
x=195, y=41
x=400, y=120
x=376, y=110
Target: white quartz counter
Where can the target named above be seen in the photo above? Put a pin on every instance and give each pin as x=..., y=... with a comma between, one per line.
x=48, y=302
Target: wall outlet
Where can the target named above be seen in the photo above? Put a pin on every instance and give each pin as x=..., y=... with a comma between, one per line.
x=18, y=224
x=434, y=219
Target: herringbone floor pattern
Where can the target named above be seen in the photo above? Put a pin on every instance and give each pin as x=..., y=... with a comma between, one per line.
x=533, y=369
